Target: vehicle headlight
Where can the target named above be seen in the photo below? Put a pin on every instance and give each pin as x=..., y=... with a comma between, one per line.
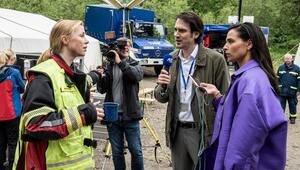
x=137, y=51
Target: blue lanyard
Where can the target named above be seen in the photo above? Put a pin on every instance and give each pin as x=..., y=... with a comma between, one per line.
x=182, y=75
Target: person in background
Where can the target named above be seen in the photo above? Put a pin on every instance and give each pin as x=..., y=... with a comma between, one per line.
x=120, y=81
x=11, y=87
x=55, y=130
x=250, y=127
x=189, y=122
x=44, y=56
x=289, y=83
x=11, y=57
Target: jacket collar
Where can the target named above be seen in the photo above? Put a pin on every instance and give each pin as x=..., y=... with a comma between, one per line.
x=193, y=55
x=289, y=67
x=200, y=57
x=5, y=71
x=249, y=65
x=58, y=59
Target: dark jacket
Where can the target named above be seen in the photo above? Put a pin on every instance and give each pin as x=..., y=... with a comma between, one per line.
x=289, y=79
x=210, y=67
x=132, y=74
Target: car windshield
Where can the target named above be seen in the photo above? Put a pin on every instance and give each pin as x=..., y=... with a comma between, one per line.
x=149, y=30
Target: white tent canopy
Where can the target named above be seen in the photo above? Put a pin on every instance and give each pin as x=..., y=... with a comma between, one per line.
x=27, y=33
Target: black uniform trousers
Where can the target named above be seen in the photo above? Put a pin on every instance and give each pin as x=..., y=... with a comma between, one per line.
x=292, y=101
x=9, y=133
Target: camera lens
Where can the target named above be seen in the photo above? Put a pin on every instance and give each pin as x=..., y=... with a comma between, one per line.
x=111, y=56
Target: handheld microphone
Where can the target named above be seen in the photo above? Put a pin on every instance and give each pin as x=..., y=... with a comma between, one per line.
x=167, y=62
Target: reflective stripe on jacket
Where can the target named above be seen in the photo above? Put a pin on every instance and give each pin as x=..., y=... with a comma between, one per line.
x=289, y=79
x=68, y=152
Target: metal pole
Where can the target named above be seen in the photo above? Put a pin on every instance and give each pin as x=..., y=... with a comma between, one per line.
x=240, y=9
x=112, y=20
x=124, y=23
x=124, y=18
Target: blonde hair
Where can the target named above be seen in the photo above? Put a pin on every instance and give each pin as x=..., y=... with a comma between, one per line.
x=11, y=56
x=3, y=59
x=288, y=55
x=44, y=56
x=62, y=27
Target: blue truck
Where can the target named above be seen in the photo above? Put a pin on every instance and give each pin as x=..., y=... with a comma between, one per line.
x=105, y=23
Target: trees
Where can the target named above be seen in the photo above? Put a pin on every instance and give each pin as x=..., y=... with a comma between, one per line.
x=283, y=17
x=55, y=9
x=287, y=32
x=167, y=10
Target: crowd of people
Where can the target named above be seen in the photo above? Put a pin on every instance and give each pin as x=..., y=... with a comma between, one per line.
x=213, y=120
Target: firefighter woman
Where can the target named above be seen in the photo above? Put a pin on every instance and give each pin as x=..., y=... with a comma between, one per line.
x=55, y=128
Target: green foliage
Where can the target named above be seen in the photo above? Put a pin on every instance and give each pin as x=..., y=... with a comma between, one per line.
x=167, y=10
x=287, y=33
x=281, y=16
x=277, y=55
x=54, y=9
x=214, y=7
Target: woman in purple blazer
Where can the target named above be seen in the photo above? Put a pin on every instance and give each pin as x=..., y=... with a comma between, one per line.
x=250, y=129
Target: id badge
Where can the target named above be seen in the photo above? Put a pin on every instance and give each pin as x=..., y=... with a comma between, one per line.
x=184, y=107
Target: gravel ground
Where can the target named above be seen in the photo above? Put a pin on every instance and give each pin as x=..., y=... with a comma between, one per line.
x=293, y=145
x=155, y=113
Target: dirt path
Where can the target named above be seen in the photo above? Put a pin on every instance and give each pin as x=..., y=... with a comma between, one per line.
x=293, y=144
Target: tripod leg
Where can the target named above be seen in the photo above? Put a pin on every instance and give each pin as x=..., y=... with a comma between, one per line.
x=157, y=145
x=152, y=132
x=104, y=163
x=107, y=153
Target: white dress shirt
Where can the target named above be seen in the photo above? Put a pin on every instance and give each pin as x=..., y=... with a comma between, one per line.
x=185, y=114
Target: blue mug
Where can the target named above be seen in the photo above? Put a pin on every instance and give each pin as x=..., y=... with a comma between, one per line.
x=110, y=111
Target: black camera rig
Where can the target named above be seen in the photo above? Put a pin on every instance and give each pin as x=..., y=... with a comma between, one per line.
x=107, y=49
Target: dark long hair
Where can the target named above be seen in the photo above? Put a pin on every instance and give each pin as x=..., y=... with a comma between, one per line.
x=259, y=51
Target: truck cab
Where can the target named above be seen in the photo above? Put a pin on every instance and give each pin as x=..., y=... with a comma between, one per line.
x=148, y=37
x=150, y=44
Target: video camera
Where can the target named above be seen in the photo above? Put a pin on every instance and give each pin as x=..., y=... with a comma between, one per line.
x=107, y=49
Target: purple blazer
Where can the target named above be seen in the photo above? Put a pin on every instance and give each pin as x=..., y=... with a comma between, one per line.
x=250, y=127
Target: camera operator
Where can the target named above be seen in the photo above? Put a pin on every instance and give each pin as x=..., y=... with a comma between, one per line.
x=120, y=81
